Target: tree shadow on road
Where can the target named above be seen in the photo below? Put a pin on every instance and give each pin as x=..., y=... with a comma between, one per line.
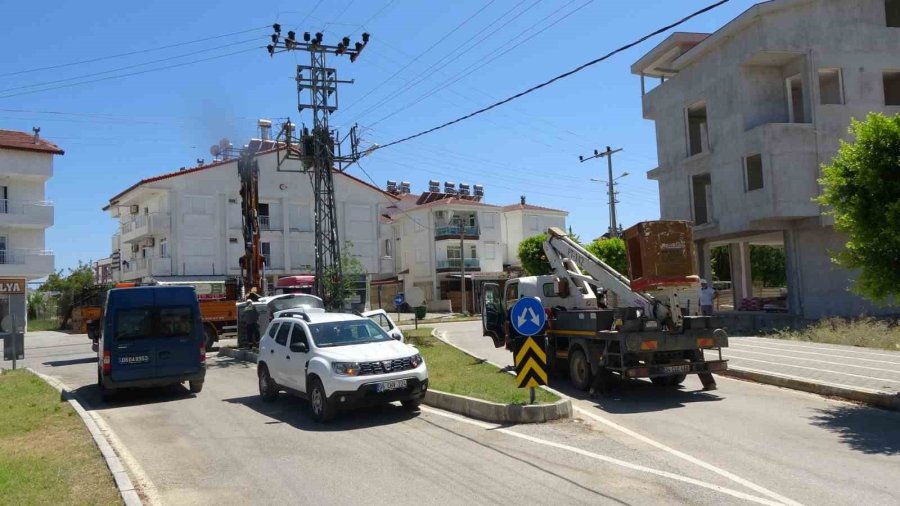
x=637, y=396
x=864, y=429
x=294, y=411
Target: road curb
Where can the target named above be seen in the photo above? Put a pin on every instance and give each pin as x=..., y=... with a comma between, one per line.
x=556, y=411
x=876, y=399
x=126, y=488
x=245, y=355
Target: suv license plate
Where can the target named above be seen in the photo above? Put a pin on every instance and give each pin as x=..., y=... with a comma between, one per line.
x=390, y=385
x=676, y=369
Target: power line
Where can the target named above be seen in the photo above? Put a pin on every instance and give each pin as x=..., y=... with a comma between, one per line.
x=561, y=76
x=132, y=73
x=120, y=55
x=184, y=55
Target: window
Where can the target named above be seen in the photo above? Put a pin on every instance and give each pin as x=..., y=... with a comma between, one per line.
x=273, y=330
x=282, y=336
x=4, y=257
x=4, y=199
x=753, y=168
x=512, y=292
x=264, y=216
x=266, y=250
x=830, y=87
x=473, y=252
x=347, y=332
x=148, y=323
x=471, y=220
x=892, y=13
x=382, y=321
x=298, y=337
x=549, y=290
x=163, y=248
x=175, y=321
x=794, y=87
x=453, y=252
x=388, y=248
x=697, y=131
x=701, y=190
x=892, y=88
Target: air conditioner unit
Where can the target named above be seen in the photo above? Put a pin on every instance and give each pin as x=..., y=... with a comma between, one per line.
x=135, y=248
x=135, y=209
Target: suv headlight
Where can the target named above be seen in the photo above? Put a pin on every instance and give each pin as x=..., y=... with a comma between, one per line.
x=345, y=368
x=416, y=360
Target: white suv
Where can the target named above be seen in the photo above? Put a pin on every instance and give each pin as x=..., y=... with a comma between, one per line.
x=338, y=361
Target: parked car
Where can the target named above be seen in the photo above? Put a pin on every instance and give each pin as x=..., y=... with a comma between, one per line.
x=151, y=336
x=381, y=317
x=338, y=361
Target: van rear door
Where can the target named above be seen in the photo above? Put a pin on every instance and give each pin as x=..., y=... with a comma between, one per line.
x=178, y=342
x=132, y=349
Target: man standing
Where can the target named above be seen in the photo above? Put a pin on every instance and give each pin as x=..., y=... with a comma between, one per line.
x=251, y=319
x=707, y=295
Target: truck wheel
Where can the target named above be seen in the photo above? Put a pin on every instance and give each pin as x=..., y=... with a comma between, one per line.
x=579, y=369
x=268, y=390
x=210, y=337
x=322, y=410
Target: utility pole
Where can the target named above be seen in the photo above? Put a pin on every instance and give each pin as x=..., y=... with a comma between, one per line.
x=611, y=183
x=320, y=150
x=462, y=265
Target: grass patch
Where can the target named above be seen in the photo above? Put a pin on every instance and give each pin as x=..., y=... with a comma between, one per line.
x=47, y=455
x=863, y=332
x=37, y=325
x=452, y=371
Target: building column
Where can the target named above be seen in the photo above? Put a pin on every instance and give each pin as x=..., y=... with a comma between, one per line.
x=741, y=274
x=703, y=260
x=792, y=273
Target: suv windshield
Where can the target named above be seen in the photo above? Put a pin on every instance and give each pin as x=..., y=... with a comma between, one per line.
x=297, y=301
x=348, y=332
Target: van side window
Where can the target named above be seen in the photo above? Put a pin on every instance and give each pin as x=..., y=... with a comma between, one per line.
x=282, y=336
x=512, y=292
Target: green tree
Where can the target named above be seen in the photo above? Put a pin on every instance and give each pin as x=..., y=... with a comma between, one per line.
x=721, y=263
x=68, y=287
x=862, y=188
x=612, y=252
x=767, y=265
x=38, y=304
x=531, y=255
x=339, y=289
x=575, y=237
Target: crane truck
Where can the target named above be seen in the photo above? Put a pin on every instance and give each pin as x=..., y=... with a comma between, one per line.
x=601, y=324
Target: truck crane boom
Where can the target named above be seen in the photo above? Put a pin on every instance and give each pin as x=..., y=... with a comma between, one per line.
x=252, y=260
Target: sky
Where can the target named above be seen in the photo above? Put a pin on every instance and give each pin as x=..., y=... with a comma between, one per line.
x=166, y=95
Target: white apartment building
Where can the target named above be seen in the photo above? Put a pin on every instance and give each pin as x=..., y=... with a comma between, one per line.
x=745, y=117
x=422, y=242
x=187, y=224
x=26, y=163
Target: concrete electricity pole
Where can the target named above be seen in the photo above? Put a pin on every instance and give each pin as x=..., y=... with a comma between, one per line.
x=610, y=183
x=462, y=264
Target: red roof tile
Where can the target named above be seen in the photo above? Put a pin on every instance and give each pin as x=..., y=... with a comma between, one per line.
x=517, y=207
x=12, y=139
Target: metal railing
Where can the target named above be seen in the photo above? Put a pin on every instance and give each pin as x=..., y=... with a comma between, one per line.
x=454, y=263
x=18, y=256
x=8, y=206
x=454, y=230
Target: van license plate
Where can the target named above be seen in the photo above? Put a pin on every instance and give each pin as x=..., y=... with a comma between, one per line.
x=676, y=369
x=390, y=385
x=134, y=359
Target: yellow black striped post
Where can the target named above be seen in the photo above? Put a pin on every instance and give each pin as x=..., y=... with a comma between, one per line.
x=531, y=364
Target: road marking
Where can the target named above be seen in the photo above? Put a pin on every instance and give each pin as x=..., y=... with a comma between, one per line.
x=615, y=461
x=733, y=345
x=730, y=351
x=812, y=346
x=693, y=460
x=818, y=369
x=809, y=380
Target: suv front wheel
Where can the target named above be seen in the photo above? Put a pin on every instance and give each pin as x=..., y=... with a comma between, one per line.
x=322, y=410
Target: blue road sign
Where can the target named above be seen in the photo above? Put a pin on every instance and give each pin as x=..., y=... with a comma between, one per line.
x=527, y=316
x=398, y=299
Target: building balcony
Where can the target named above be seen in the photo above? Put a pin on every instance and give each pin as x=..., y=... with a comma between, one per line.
x=38, y=215
x=145, y=225
x=139, y=268
x=454, y=265
x=27, y=263
x=453, y=232
x=790, y=169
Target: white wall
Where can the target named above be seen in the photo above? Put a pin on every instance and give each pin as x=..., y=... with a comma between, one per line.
x=25, y=174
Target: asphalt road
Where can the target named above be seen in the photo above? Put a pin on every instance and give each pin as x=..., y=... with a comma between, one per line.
x=809, y=448
x=224, y=446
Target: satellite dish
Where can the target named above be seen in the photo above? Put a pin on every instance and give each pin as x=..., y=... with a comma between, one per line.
x=215, y=150
x=224, y=144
